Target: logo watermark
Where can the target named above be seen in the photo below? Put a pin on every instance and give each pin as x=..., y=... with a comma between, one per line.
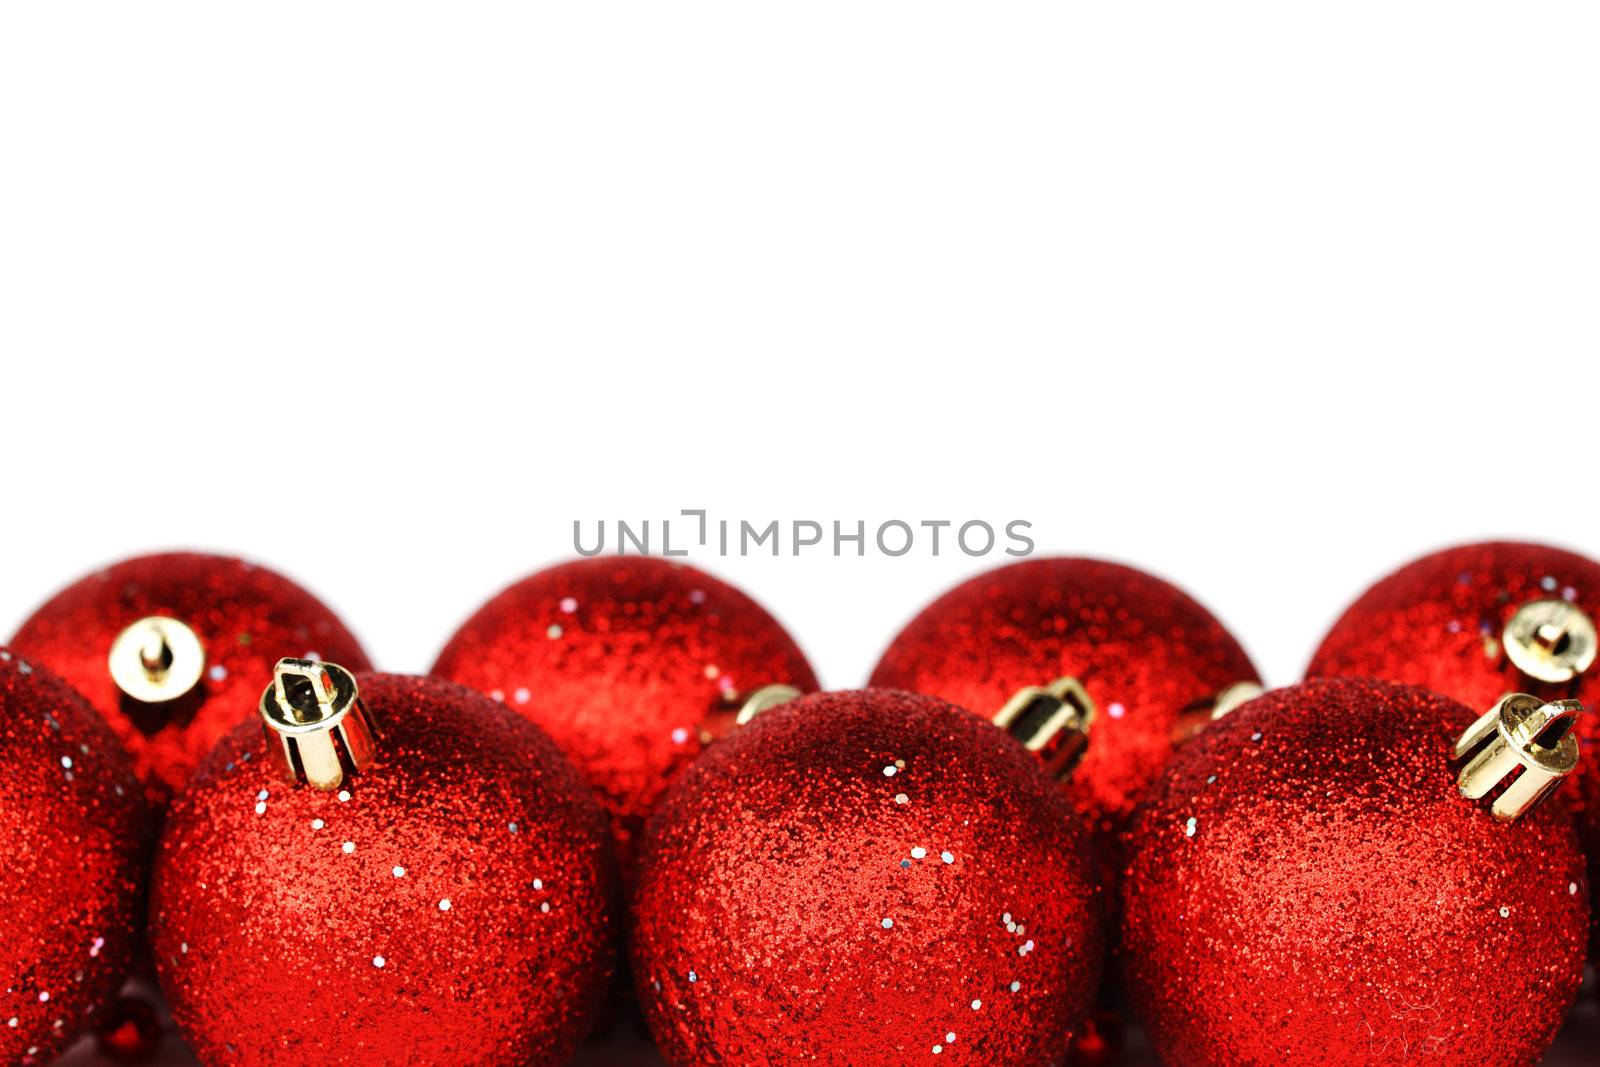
x=695, y=530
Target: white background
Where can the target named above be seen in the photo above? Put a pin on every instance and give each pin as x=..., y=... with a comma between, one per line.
x=1262, y=297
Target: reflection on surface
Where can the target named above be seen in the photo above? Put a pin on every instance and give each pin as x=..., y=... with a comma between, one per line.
x=623, y=1049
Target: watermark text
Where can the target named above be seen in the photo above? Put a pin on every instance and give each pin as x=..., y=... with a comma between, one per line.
x=695, y=530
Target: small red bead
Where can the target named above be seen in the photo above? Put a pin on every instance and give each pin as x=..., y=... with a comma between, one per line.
x=129, y=1031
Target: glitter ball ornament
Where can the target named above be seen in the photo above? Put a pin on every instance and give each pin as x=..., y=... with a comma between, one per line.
x=1149, y=663
x=171, y=648
x=1309, y=885
x=433, y=885
x=1481, y=620
x=867, y=877
x=76, y=838
x=1586, y=810
x=1476, y=622
x=631, y=664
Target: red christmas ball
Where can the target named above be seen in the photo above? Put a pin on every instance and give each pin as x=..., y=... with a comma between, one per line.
x=1585, y=802
x=1460, y=621
x=1152, y=661
x=210, y=627
x=1307, y=885
x=77, y=840
x=630, y=664
x=1441, y=623
x=451, y=901
x=868, y=877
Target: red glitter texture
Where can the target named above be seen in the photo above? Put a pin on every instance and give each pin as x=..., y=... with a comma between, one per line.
x=791, y=906
x=1437, y=623
x=72, y=885
x=1307, y=886
x=1144, y=650
x=247, y=618
x=621, y=660
x=456, y=909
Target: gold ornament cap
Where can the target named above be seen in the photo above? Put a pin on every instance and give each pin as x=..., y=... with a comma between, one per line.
x=1052, y=722
x=313, y=711
x=736, y=710
x=1551, y=641
x=156, y=660
x=1236, y=695
x=1197, y=716
x=1522, y=734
